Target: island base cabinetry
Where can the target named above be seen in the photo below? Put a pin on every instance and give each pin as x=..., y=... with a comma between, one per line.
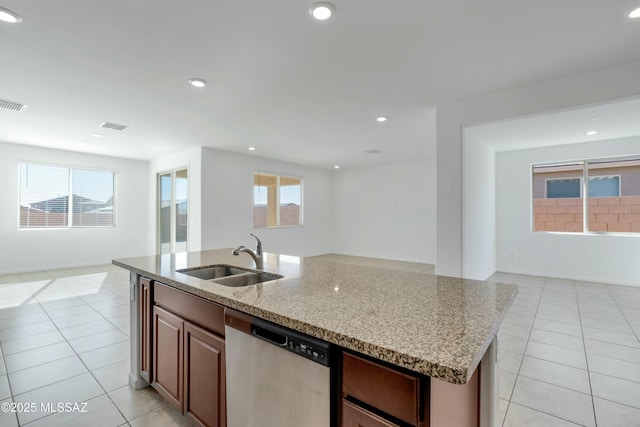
x=204, y=377
x=376, y=394
x=145, y=307
x=188, y=355
x=356, y=416
x=167, y=355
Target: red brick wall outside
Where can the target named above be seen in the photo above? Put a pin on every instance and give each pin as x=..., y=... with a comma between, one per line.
x=620, y=214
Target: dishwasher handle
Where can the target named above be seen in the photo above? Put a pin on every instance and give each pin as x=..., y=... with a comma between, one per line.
x=270, y=336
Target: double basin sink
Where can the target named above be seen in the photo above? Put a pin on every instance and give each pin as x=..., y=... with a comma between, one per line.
x=229, y=275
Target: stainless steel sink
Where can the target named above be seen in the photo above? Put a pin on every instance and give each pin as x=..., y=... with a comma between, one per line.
x=212, y=271
x=229, y=275
x=246, y=279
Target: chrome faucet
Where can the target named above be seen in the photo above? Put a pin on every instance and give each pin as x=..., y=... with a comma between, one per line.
x=257, y=255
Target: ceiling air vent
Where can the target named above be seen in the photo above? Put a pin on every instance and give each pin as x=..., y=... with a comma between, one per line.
x=12, y=106
x=114, y=126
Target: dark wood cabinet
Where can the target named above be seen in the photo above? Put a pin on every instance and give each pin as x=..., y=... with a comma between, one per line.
x=398, y=396
x=204, y=377
x=189, y=355
x=355, y=416
x=167, y=355
x=145, y=300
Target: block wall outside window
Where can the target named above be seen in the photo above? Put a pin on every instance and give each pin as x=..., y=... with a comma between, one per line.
x=613, y=201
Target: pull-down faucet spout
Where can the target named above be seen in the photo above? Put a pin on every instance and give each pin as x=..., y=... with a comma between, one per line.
x=257, y=255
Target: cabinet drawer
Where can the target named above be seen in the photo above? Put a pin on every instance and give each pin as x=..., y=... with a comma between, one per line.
x=388, y=390
x=355, y=416
x=205, y=313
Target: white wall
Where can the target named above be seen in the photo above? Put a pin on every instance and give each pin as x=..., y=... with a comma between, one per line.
x=594, y=257
x=593, y=87
x=190, y=159
x=227, y=205
x=30, y=250
x=386, y=212
x=479, y=209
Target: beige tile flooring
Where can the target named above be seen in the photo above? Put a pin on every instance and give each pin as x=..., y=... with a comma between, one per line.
x=569, y=353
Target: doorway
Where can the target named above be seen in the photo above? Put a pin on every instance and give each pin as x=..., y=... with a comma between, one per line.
x=173, y=209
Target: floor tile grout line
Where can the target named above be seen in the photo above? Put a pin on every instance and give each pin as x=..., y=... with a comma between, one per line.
x=547, y=413
x=8, y=383
x=525, y=349
x=586, y=360
x=617, y=403
x=91, y=371
x=623, y=315
x=86, y=367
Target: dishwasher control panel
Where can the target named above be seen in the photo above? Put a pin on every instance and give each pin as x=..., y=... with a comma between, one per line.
x=308, y=350
x=301, y=344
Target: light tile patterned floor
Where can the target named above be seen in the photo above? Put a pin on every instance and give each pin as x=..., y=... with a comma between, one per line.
x=64, y=337
x=569, y=352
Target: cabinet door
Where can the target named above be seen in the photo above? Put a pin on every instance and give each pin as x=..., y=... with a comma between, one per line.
x=167, y=355
x=146, y=318
x=355, y=416
x=204, y=377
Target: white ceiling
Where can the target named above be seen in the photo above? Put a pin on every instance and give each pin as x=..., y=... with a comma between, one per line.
x=297, y=89
x=610, y=121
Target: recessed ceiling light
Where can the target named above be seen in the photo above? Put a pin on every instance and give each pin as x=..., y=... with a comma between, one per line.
x=322, y=10
x=381, y=119
x=336, y=167
x=635, y=13
x=98, y=135
x=196, y=82
x=252, y=148
x=592, y=132
x=8, y=16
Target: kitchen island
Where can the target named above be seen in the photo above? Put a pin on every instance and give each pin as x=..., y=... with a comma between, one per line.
x=398, y=313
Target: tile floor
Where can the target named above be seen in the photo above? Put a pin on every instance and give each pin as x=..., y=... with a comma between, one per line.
x=64, y=337
x=569, y=353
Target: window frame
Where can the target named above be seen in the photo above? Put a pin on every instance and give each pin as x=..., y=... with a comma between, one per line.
x=278, y=176
x=70, y=168
x=584, y=190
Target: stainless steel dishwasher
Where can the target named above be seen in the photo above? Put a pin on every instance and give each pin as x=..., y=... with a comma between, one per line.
x=276, y=377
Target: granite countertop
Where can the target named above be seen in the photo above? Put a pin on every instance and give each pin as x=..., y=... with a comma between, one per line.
x=394, y=311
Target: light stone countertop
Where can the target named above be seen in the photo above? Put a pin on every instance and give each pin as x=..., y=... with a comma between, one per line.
x=398, y=312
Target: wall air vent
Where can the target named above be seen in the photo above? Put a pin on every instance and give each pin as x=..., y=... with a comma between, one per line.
x=12, y=105
x=373, y=151
x=114, y=126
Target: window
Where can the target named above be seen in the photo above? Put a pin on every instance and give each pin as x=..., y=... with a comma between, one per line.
x=599, y=186
x=47, y=192
x=612, y=204
x=277, y=201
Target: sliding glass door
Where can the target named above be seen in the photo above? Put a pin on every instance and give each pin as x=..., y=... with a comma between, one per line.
x=173, y=203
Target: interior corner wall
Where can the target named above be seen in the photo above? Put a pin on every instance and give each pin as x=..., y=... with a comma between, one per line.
x=227, y=205
x=605, y=258
x=479, y=209
x=191, y=159
x=42, y=249
x=386, y=212
x=598, y=86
